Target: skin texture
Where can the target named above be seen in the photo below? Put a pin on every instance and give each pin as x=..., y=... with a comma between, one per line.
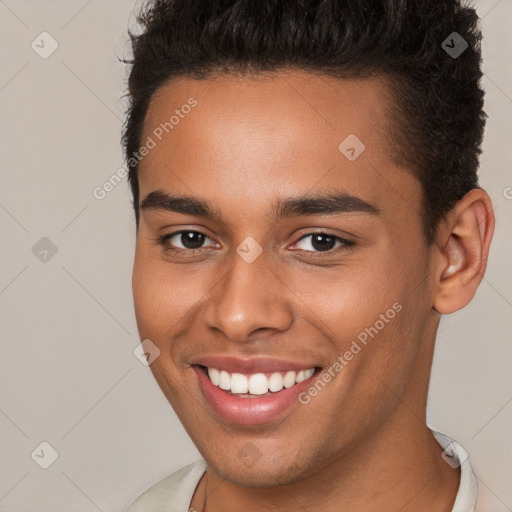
x=362, y=441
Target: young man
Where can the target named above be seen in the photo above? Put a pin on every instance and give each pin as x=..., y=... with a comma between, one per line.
x=307, y=207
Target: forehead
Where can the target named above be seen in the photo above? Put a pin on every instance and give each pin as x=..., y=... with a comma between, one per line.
x=250, y=138
x=319, y=97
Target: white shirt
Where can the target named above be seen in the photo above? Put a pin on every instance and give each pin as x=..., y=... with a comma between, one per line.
x=174, y=493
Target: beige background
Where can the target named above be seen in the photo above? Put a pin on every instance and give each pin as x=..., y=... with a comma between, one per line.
x=68, y=375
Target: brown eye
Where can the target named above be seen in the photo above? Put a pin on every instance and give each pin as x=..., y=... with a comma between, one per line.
x=190, y=239
x=323, y=242
x=184, y=241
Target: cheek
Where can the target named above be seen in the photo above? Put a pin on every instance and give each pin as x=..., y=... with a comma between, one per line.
x=152, y=296
x=370, y=315
x=343, y=301
x=390, y=335
x=164, y=296
x=143, y=289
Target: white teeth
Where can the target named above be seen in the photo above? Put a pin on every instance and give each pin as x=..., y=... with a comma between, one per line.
x=301, y=376
x=304, y=374
x=214, y=375
x=257, y=383
x=224, y=381
x=239, y=383
x=275, y=383
x=309, y=372
x=289, y=379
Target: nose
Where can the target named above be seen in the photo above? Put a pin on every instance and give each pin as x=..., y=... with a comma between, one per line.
x=249, y=297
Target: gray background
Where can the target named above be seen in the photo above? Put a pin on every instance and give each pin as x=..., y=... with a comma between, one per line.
x=68, y=375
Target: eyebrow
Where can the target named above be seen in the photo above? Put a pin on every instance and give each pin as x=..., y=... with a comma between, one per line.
x=332, y=203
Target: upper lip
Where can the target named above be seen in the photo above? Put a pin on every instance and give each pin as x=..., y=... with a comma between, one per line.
x=232, y=364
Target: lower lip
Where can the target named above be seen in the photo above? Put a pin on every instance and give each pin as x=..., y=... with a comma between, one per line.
x=249, y=411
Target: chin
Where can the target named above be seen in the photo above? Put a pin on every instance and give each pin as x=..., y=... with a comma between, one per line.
x=268, y=471
x=262, y=477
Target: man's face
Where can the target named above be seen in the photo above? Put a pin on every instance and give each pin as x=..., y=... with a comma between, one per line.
x=263, y=293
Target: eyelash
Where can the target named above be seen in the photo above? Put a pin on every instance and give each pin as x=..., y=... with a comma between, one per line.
x=162, y=241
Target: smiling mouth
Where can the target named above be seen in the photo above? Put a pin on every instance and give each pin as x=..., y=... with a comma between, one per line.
x=256, y=385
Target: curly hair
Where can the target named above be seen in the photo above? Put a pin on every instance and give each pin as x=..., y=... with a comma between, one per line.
x=437, y=115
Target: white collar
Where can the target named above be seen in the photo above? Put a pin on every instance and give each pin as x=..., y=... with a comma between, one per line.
x=456, y=456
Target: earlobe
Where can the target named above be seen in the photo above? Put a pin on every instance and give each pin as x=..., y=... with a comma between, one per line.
x=462, y=251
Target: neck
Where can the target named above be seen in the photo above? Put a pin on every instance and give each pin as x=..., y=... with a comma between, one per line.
x=398, y=468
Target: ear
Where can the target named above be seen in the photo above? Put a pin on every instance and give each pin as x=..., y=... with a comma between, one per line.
x=462, y=248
